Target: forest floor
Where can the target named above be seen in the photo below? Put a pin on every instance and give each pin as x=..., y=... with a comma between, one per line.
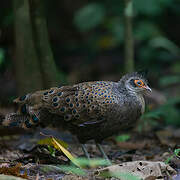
x=22, y=156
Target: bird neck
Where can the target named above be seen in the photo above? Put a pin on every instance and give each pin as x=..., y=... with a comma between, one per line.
x=130, y=94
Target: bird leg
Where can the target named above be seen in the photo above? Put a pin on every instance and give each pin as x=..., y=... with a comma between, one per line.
x=103, y=153
x=85, y=151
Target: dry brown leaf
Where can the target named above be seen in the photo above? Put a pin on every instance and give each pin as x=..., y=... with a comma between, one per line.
x=143, y=169
x=15, y=171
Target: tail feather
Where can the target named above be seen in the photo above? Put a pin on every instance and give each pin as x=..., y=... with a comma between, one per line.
x=30, y=111
x=16, y=120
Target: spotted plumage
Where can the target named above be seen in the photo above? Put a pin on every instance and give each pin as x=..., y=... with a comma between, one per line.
x=90, y=110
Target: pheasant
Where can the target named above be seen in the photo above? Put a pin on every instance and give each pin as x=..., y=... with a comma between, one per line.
x=90, y=110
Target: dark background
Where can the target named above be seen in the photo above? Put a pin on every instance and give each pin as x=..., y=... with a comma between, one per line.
x=86, y=39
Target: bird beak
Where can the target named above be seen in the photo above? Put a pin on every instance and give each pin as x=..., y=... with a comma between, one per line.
x=148, y=88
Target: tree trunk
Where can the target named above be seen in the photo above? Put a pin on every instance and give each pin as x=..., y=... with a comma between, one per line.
x=48, y=66
x=129, y=48
x=27, y=69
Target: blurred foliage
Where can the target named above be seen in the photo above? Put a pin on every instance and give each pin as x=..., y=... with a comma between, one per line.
x=155, y=48
x=169, y=80
x=169, y=112
x=151, y=8
x=93, y=13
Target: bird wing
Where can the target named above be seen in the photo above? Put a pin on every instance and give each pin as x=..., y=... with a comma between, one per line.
x=83, y=104
x=73, y=103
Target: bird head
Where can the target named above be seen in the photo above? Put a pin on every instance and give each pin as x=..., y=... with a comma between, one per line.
x=136, y=82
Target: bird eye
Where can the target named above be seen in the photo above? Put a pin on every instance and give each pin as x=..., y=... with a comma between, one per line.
x=139, y=83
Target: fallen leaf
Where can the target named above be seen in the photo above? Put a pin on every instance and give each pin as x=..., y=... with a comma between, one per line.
x=138, y=169
x=66, y=152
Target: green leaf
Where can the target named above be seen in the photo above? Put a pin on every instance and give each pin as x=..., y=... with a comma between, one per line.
x=168, y=160
x=146, y=30
x=51, y=150
x=177, y=152
x=122, y=176
x=59, y=169
x=84, y=162
x=65, y=151
x=1, y=56
x=163, y=42
x=149, y=8
x=122, y=138
x=152, y=114
x=8, y=19
x=73, y=170
x=89, y=16
x=48, y=141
